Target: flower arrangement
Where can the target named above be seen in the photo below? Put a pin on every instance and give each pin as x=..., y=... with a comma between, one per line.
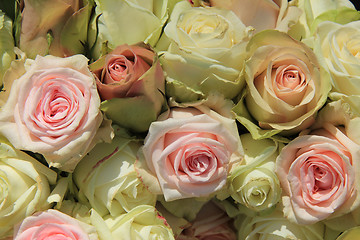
x=195, y=119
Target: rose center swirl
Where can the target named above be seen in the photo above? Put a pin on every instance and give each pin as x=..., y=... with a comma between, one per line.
x=58, y=106
x=323, y=179
x=118, y=68
x=198, y=163
x=57, y=103
x=289, y=78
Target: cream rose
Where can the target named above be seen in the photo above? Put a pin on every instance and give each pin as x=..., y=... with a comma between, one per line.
x=53, y=224
x=106, y=177
x=319, y=176
x=190, y=152
x=114, y=28
x=204, y=51
x=142, y=222
x=339, y=45
x=53, y=109
x=254, y=183
x=314, y=12
x=286, y=85
x=24, y=186
x=261, y=14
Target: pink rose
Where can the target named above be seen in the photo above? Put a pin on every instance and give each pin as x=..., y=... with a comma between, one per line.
x=53, y=109
x=319, y=175
x=131, y=83
x=118, y=71
x=190, y=152
x=53, y=224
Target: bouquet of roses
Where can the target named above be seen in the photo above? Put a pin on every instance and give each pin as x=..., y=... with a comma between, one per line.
x=179, y=119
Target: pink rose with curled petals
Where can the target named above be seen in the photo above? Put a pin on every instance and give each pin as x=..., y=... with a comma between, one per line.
x=118, y=71
x=190, y=152
x=53, y=224
x=131, y=83
x=54, y=109
x=319, y=175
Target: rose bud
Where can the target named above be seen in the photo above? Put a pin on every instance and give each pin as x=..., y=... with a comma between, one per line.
x=130, y=82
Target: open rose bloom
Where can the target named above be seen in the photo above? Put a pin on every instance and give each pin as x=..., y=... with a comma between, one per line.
x=319, y=175
x=53, y=109
x=203, y=51
x=190, y=152
x=340, y=48
x=286, y=85
x=132, y=119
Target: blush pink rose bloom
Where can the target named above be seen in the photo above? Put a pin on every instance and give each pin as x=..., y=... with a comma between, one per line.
x=319, y=175
x=53, y=224
x=190, y=152
x=53, y=109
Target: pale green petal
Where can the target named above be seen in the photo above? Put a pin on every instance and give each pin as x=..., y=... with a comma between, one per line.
x=319, y=7
x=142, y=222
x=74, y=35
x=108, y=178
x=7, y=54
x=254, y=183
x=275, y=226
x=140, y=112
x=191, y=77
x=350, y=234
x=341, y=16
x=24, y=186
x=342, y=223
x=184, y=208
x=342, y=111
x=314, y=9
x=150, y=18
x=244, y=117
x=15, y=71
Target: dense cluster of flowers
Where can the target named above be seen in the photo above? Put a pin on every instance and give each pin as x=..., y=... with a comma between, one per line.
x=179, y=119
